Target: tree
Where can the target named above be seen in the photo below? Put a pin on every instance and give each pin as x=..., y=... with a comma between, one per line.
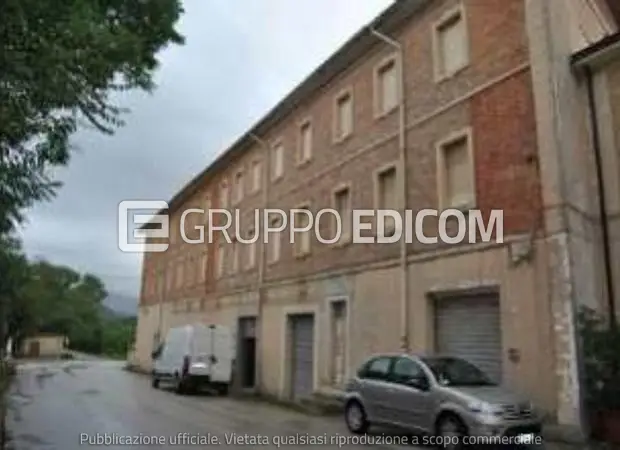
x=60, y=61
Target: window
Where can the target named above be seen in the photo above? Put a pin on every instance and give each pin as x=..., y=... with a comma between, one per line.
x=387, y=197
x=224, y=195
x=305, y=142
x=406, y=370
x=456, y=173
x=234, y=263
x=221, y=260
x=251, y=261
x=257, y=172
x=457, y=372
x=277, y=161
x=179, y=274
x=342, y=204
x=207, y=207
x=175, y=229
x=239, y=186
x=386, y=87
x=190, y=271
x=161, y=285
x=275, y=242
x=204, y=260
x=377, y=369
x=451, y=46
x=302, y=239
x=343, y=117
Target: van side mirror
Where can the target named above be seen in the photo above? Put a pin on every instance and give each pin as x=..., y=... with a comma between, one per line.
x=155, y=353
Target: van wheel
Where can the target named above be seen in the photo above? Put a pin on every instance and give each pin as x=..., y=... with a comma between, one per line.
x=155, y=382
x=355, y=417
x=180, y=385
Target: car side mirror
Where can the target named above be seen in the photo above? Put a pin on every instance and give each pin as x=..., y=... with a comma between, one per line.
x=420, y=383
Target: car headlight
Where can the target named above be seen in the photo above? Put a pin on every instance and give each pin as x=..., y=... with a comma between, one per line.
x=485, y=409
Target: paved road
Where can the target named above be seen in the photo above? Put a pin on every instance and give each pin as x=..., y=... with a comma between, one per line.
x=67, y=405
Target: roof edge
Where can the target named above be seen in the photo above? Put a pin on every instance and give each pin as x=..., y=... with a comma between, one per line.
x=355, y=47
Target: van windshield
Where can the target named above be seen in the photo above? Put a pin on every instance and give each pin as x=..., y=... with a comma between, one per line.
x=457, y=372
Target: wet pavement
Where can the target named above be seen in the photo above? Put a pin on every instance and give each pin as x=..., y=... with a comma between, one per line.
x=71, y=405
x=66, y=405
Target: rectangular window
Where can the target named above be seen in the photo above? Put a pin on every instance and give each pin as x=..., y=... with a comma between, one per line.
x=343, y=126
x=277, y=161
x=251, y=249
x=234, y=266
x=387, y=194
x=239, y=186
x=221, y=260
x=275, y=242
x=179, y=276
x=451, y=46
x=386, y=89
x=305, y=142
x=224, y=195
x=190, y=271
x=204, y=260
x=257, y=176
x=342, y=204
x=302, y=239
x=456, y=173
x=206, y=206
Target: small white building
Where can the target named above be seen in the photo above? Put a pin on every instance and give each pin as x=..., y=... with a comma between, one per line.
x=44, y=345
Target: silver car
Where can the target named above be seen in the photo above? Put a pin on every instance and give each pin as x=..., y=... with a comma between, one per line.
x=436, y=395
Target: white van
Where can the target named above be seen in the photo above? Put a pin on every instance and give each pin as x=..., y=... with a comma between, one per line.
x=195, y=356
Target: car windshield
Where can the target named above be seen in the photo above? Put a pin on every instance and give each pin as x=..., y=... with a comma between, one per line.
x=457, y=372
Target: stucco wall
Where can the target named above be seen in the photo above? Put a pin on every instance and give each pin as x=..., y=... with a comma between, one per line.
x=49, y=346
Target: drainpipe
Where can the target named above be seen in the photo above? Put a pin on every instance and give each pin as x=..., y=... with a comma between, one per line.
x=402, y=144
x=602, y=200
x=262, y=255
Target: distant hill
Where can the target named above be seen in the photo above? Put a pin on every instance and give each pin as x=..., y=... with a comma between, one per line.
x=121, y=305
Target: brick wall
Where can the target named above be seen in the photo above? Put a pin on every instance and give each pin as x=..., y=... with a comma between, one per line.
x=497, y=106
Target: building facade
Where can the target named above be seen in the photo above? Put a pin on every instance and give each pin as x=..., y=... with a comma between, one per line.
x=437, y=104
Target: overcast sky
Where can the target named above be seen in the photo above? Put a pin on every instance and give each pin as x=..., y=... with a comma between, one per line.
x=239, y=60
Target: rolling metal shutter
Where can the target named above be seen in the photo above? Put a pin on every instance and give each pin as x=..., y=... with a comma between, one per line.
x=303, y=355
x=469, y=327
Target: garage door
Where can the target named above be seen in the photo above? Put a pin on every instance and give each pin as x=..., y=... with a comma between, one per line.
x=469, y=327
x=302, y=355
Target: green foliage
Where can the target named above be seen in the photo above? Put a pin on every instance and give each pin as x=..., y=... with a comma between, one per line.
x=601, y=350
x=117, y=336
x=61, y=62
x=56, y=299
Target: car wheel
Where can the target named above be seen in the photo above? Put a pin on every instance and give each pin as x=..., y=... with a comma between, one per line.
x=452, y=432
x=222, y=390
x=355, y=417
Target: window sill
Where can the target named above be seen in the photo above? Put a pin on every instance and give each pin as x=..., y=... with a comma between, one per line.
x=379, y=115
x=304, y=162
x=343, y=242
x=277, y=179
x=338, y=140
x=302, y=255
x=445, y=77
x=464, y=207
